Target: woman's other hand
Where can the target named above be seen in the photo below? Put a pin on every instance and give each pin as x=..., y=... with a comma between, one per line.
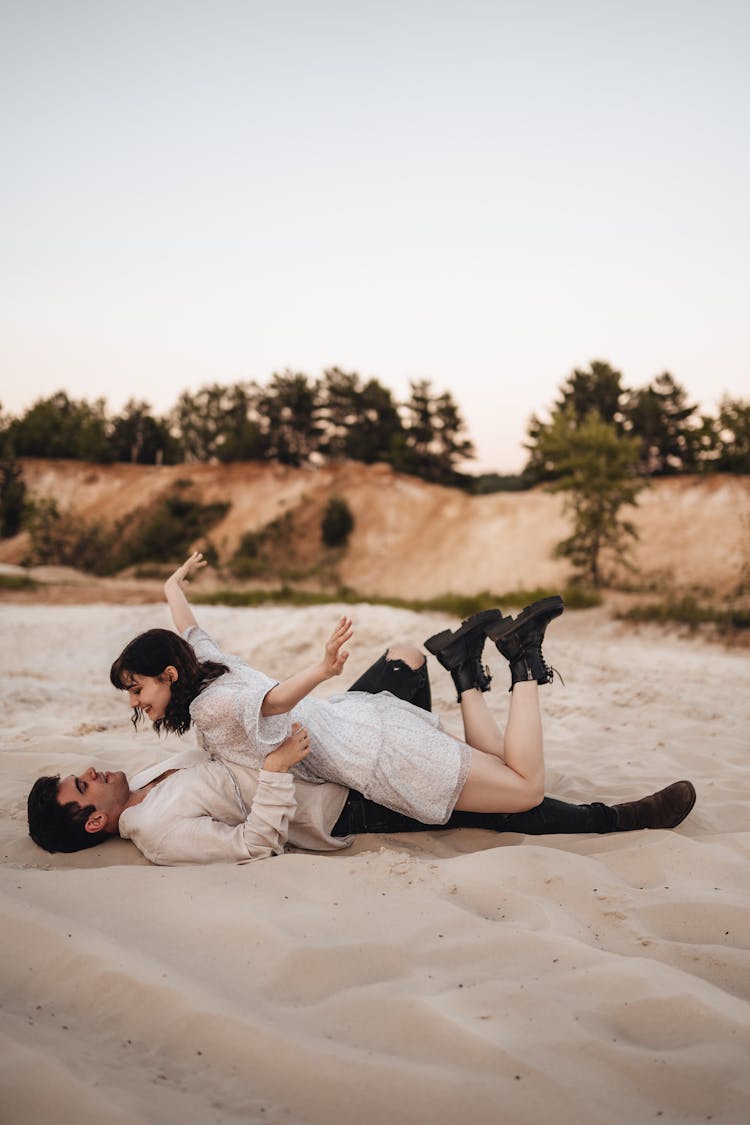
x=335, y=659
x=292, y=750
x=185, y=572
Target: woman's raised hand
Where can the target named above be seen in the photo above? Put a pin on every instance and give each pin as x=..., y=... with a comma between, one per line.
x=185, y=572
x=335, y=659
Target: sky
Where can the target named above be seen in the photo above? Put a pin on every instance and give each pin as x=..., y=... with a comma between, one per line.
x=483, y=194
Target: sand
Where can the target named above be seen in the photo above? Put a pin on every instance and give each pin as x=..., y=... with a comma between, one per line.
x=445, y=977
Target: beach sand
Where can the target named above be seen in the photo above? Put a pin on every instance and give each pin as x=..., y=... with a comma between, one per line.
x=432, y=978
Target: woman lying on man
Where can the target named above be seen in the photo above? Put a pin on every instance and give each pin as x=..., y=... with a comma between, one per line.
x=277, y=766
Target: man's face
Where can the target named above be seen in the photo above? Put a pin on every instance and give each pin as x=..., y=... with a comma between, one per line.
x=151, y=693
x=108, y=791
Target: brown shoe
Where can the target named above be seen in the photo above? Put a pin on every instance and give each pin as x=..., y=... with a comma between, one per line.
x=665, y=809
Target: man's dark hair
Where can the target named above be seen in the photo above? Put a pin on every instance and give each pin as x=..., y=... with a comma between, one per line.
x=59, y=828
x=149, y=654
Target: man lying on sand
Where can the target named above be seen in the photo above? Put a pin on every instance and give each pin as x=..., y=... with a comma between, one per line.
x=277, y=766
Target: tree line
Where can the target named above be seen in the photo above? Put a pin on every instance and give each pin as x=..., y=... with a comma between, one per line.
x=669, y=432
x=297, y=420
x=294, y=420
x=599, y=444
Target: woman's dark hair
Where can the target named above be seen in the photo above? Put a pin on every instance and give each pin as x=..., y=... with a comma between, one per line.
x=148, y=655
x=59, y=828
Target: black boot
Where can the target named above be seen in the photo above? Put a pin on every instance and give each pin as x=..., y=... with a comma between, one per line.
x=665, y=809
x=460, y=652
x=519, y=640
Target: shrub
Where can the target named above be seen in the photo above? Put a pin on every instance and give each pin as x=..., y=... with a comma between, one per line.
x=167, y=531
x=256, y=549
x=156, y=536
x=337, y=523
x=59, y=539
x=12, y=493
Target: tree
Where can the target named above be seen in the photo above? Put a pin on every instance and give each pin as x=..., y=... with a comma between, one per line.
x=595, y=466
x=599, y=389
x=241, y=439
x=12, y=487
x=197, y=420
x=339, y=410
x=357, y=421
x=433, y=441
x=61, y=427
x=288, y=409
x=659, y=416
x=732, y=443
x=140, y=438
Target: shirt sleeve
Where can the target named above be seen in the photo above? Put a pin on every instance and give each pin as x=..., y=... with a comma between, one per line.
x=201, y=839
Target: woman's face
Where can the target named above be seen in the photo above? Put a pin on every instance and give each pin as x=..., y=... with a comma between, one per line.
x=151, y=693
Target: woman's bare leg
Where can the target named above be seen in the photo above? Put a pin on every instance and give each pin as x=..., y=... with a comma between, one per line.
x=481, y=729
x=517, y=782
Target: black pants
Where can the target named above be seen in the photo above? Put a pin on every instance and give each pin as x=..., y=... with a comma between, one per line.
x=362, y=815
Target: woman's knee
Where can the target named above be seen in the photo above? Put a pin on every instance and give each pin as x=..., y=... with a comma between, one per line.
x=409, y=653
x=531, y=798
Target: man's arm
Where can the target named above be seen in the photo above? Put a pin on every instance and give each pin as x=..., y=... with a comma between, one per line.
x=202, y=839
x=285, y=695
x=174, y=591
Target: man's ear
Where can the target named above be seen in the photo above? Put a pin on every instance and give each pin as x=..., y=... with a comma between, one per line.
x=171, y=673
x=96, y=821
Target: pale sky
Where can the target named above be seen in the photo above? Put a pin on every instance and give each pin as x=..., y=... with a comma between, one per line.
x=485, y=194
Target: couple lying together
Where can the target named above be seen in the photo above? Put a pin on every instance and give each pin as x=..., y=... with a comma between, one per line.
x=276, y=766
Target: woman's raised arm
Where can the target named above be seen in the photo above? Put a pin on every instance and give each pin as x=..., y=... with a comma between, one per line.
x=285, y=695
x=174, y=591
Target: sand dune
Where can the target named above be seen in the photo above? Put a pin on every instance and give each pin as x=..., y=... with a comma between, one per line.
x=436, y=978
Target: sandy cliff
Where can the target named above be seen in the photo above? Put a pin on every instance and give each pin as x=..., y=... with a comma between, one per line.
x=418, y=540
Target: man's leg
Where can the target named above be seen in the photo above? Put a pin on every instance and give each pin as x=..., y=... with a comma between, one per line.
x=552, y=816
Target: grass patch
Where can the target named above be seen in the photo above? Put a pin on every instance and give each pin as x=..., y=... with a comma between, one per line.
x=17, y=582
x=455, y=604
x=688, y=611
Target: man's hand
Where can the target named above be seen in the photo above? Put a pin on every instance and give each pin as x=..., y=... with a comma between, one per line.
x=334, y=659
x=185, y=572
x=291, y=751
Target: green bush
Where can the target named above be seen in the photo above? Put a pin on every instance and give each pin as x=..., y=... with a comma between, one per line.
x=688, y=611
x=167, y=531
x=456, y=604
x=59, y=539
x=256, y=549
x=158, y=536
x=17, y=582
x=12, y=493
x=337, y=523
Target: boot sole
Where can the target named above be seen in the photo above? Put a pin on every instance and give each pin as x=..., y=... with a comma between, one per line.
x=546, y=607
x=439, y=641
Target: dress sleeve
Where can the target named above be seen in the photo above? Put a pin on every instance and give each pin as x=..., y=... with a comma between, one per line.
x=202, y=839
x=264, y=731
x=205, y=647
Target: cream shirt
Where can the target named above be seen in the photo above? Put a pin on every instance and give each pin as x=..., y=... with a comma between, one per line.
x=212, y=812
